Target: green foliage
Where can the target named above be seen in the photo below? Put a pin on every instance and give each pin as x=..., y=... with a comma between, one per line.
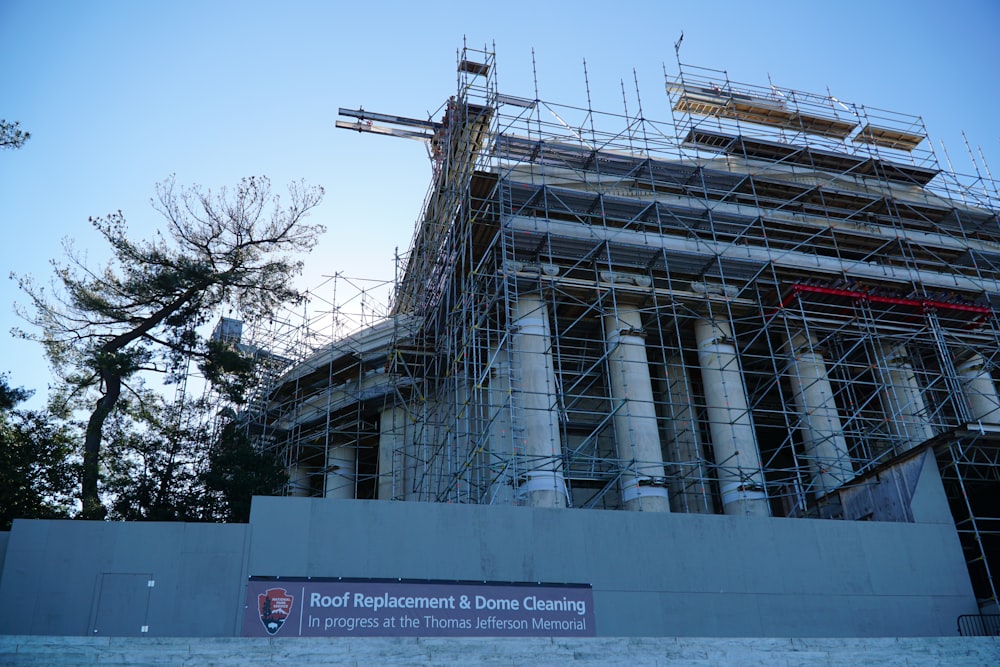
x=39, y=469
x=228, y=369
x=11, y=134
x=237, y=471
x=154, y=455
x=164, y=464
x=145, y=310
x=145, y=307
x=11, y=396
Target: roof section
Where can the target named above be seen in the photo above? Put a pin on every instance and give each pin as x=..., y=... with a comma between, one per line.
x=888, y=137
x=762, y=149
x=714, y=101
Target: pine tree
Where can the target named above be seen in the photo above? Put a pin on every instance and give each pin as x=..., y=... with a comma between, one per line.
x=146, y=309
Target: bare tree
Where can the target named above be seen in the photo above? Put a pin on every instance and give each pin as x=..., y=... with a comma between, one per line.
x=146, y=309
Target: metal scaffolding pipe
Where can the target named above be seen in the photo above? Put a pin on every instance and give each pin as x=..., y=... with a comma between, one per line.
x=636, y=434
x=920, y=304
x=465, y=422
x=392, y=423
x=543, y=484
x=501, y=455
x=688, y=489
x=341, y=472
x=979, y=389
x=794, y=260
x=741, y=480
x=298, y=480
x=421, y=466
x=822, y=433
x=903, y=403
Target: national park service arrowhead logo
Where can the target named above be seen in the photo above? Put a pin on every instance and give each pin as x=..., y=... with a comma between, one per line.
x=275, y=606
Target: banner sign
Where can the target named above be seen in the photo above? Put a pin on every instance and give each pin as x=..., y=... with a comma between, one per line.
x=311, y=607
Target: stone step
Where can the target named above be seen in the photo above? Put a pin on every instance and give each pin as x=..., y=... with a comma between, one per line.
x=29, y=651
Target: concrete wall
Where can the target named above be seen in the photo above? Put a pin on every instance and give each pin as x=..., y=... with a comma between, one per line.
x=4, y=540
x=908, y=490
x=93, y=578
x=652, y=574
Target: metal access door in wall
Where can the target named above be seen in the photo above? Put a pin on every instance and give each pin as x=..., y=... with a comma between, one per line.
x=121, y=604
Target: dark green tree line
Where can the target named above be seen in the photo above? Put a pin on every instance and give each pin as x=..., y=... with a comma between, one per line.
x=180, y=462
x=38, y=470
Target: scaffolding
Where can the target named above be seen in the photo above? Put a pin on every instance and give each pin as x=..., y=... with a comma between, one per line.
x=754, y=307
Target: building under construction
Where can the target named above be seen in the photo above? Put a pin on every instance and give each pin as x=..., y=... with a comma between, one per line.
x=732, y=374
x=771, y=304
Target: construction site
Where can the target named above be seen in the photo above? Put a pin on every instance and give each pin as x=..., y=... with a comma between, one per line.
x=770, y=303
x=687, y=390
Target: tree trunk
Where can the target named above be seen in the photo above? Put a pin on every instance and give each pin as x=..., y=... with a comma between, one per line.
x=92, y=506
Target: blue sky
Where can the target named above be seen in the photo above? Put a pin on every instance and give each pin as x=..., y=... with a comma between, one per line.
x=119, y=95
